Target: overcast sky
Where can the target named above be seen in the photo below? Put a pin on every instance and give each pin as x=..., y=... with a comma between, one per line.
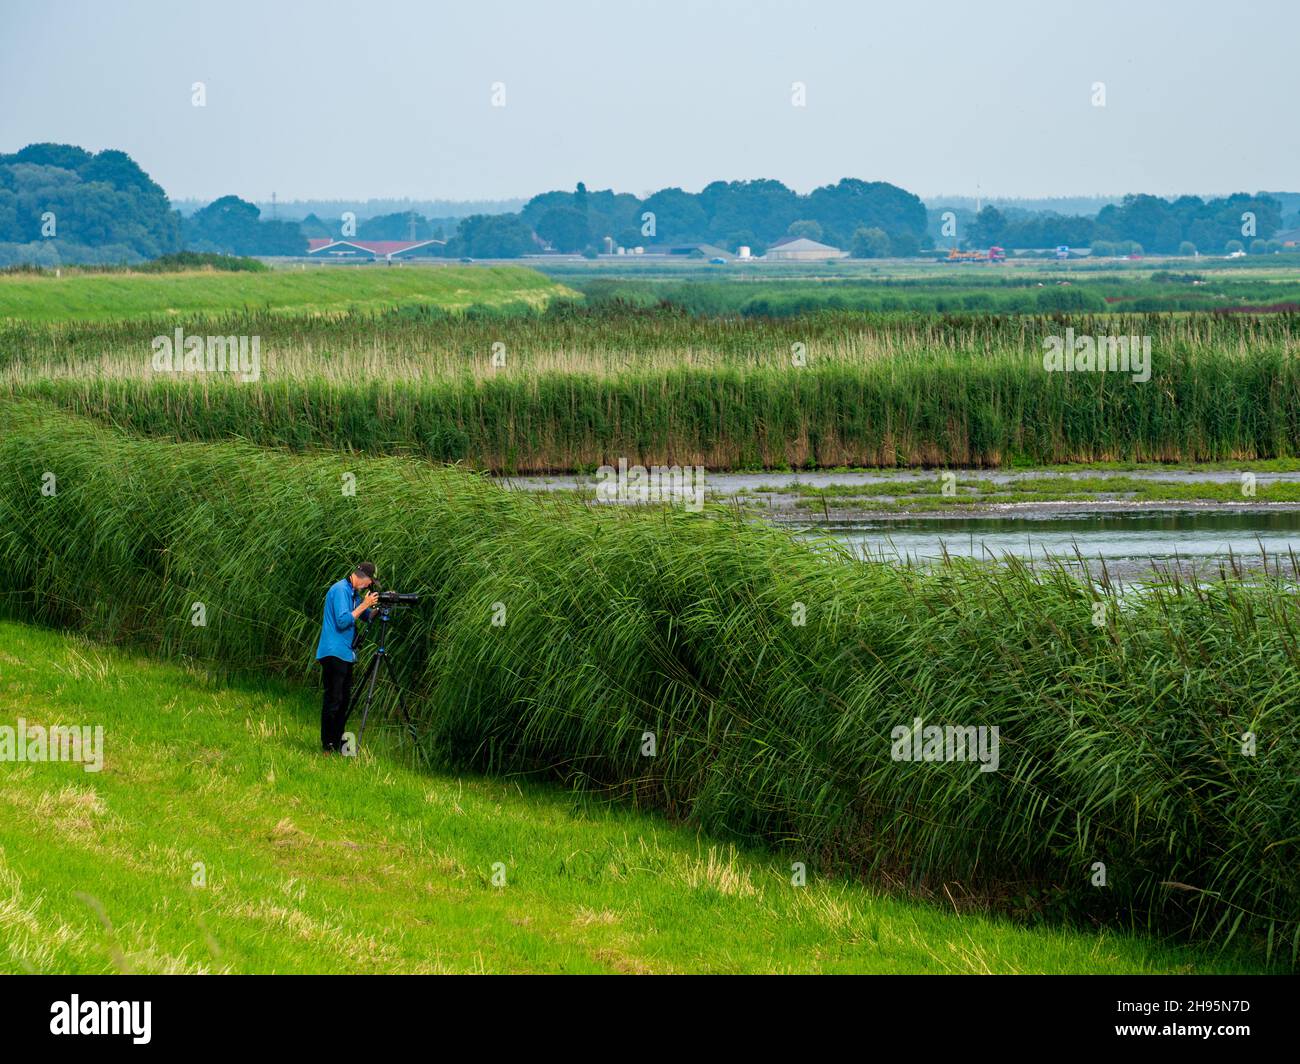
x=387, y=99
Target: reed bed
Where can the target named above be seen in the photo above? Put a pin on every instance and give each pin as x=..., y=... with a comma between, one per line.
x=574, y=390
x=422, y=343
x=1121, y=743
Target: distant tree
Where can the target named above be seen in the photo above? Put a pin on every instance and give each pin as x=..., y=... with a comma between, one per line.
x=537, y=206
x=744, y=238
x=606, y=212
x=118, y=169
x=870, y=243
x=64, y=156
x=1233, y=245
x=1046, y=230
x=1258, y=247
x=806, y=228
x=493, y=236
x=62, y=204
x=234, y=227
x=1206, y=233
x=315, y=229
x=1162, y=225
x=678, y=216
x=402, y=225
x=851, y=204
x=763, y=208
x=904, y=244
x=565, y=229
x=988, y=228
x=1187, y=249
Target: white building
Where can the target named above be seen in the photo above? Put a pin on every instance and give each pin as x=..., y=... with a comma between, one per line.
x=801, y=249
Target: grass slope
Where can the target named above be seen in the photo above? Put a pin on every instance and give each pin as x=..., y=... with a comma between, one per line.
x=316, y=290
x=319, y=864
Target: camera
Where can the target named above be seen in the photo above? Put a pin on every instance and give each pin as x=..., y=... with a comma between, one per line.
x=389, y=599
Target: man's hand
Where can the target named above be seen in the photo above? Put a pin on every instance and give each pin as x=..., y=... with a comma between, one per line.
x=367, y=603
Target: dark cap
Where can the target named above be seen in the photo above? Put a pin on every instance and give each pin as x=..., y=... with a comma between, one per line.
x=366, y=569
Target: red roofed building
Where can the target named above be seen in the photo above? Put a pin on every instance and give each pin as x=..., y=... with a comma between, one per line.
x=366, y=249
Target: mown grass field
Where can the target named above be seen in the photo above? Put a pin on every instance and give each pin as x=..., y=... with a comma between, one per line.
x=316, y=864
x=314, y=290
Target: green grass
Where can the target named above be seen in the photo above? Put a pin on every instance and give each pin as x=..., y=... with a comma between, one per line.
x=313, y=290
x=1122, y=740
x=317, y=864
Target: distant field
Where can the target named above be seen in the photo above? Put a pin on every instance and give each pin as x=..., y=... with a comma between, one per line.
x=316, y=290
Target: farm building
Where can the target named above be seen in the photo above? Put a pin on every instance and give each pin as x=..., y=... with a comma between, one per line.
x=324, y=247
x=1288, y=238
x=801, y=249
x=697, y=251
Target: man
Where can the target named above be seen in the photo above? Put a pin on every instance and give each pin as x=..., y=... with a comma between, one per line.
x=344, y=606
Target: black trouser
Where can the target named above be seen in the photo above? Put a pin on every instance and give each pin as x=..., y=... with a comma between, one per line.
x=336, y=674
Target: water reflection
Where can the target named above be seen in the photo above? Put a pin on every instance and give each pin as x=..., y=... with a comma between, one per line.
x=1129, y=540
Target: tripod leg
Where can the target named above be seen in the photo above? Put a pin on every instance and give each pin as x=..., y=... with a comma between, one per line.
x=406, y=717
x=372, y=672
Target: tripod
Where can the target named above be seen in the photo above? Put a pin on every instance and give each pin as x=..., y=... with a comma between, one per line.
x=372, y=673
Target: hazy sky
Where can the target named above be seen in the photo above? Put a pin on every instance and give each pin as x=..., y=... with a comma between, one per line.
x=387, y=99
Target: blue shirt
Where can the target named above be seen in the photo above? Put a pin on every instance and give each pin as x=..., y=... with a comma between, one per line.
x=338, y=626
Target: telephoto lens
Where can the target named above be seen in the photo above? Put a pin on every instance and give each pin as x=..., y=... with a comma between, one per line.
x=397, y=598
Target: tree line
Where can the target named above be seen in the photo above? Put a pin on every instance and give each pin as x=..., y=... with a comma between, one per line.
x=1185, y=226
x=61, y=203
